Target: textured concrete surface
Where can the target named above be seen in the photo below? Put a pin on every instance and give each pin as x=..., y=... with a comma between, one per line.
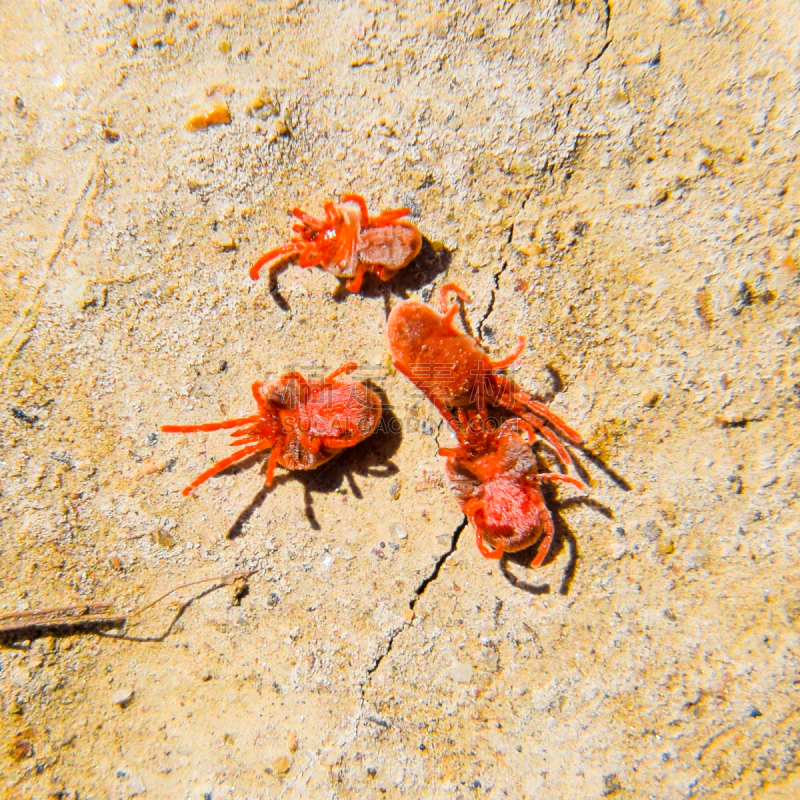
x=618, y=182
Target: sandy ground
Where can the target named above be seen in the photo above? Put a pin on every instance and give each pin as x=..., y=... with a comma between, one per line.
x=616, y=181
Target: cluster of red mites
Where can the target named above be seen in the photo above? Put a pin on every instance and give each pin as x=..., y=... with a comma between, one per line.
x=493, y=471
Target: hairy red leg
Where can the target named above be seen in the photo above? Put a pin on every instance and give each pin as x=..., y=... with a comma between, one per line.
x=563, y=454
x=511, y=358
x=354, y=284
x=557, y=477
x=273, y=460
x=386, y=218
x=335, y=442
x=480, y=390
x=362, y=204
x=224, y=464
x=256, y=388
x=294, y=376
x=315, y=253
x=209, y=426
x=523, y=398
x=514, y=398
x=456, y=290
x=518, y=422
x=440, y=406
x=284, y=250
x=544, y=545
x=345, y=369
x=447, y=319
x=555, y=421
x=308, y=220
x=348, y=236
x=309, y=444
x=485, y=551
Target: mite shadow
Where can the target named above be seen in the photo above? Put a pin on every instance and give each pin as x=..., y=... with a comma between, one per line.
x=557, y=386
x=276, y=269
x=370, y=459
x=421, y=271
x=563, y=537
x=173, y=622
x=63, y=628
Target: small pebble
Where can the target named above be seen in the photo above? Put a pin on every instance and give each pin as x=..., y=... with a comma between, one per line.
x=166, y=539
x=650, y=397
x=292, y=742
x=281, y=765
x=224, y=239
x=461, y=673
x=219, y=115
x=280, y=127
x=122, y=697
x=399, y=532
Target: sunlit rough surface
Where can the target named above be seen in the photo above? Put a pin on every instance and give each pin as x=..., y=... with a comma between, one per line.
x=616, y=181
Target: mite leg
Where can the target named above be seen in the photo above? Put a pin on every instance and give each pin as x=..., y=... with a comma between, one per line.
x=294, y=376
x=447, y=319
x=541, y=410
x=224, y=464
x=273, y=460
x=561, y=451
x=518, y=423
x=485, y=551
x=308, y=220
x=544, y=545
x=309, y=444
x=456, y=290
x=386, y=218
x=209, y=426
x=354, y=284
x=284, y=250
x=332, y=215
x=557, y=477
x=359, y=200
x=473, y=508
x=345, y=369
x=516, y=400
x=511, y=358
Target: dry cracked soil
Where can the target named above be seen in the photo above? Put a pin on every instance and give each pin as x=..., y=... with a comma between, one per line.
x=618, y=182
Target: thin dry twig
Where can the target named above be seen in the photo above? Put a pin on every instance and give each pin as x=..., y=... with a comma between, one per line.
x=224, y=580
x=86, y=617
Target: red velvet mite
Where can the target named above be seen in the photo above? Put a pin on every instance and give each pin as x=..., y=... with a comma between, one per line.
x=347, y=242
x=303, y=422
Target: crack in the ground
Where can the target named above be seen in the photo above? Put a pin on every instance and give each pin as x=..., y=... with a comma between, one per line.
x=609, y=39
x=597, y=57
x=496, y=277
x=438, y=434
x=418, y=592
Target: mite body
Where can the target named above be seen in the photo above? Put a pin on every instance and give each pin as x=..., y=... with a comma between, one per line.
x=303, y=422
x=347, y=242
x=493, y=474
x=454, y=371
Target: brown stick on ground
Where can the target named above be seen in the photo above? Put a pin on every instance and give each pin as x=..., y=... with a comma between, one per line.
x=88, y=617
